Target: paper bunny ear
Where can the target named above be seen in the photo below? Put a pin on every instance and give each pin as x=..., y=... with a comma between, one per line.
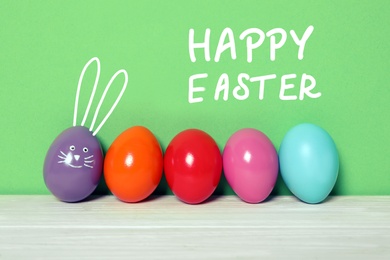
x=93, y=94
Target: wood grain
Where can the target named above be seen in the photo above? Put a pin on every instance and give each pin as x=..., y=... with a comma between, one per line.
x=37, y=227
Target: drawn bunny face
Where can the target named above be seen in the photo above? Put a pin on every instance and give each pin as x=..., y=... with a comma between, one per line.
x=76, y=157
x=74, y=162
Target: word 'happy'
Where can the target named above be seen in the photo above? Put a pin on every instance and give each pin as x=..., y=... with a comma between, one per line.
x=277, y=37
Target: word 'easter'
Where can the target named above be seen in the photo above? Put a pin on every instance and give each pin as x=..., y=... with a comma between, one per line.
x=277, y=38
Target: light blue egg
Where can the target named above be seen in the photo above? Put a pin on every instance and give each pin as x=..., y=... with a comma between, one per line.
x=309, y=162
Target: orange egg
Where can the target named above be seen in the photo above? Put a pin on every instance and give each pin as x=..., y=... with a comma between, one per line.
x=133, y=164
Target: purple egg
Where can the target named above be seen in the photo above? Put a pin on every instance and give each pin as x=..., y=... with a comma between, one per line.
x=250, y=163
x=73, y=164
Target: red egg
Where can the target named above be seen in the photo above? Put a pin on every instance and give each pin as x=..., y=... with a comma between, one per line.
x=193, y=166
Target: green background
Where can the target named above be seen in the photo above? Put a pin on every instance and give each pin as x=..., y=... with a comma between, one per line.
x=45, y=44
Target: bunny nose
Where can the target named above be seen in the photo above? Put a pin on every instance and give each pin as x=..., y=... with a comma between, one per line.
x=77, y=157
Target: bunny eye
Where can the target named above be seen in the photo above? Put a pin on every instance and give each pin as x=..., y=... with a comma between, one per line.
x=72, y=148
x=85, y=149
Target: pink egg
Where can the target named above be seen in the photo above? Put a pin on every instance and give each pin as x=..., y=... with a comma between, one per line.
x=250, y=164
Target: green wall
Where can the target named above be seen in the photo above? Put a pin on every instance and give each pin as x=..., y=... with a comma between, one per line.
x=45, y=44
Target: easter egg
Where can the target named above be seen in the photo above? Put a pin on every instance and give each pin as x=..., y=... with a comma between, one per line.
x=193, y=166
x=73, y=164
x=250, y=164
x=133, y=164
x=309, y=162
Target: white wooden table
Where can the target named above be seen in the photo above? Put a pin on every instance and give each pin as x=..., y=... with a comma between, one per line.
x=36, y=227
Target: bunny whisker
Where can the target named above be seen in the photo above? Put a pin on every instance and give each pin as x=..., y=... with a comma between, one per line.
x=89, y=166
x=63, y=153
x=89, y=161
x=89, y=157
x=61, y=157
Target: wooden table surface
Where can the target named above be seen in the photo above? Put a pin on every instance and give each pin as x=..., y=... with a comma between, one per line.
x=37, y=227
